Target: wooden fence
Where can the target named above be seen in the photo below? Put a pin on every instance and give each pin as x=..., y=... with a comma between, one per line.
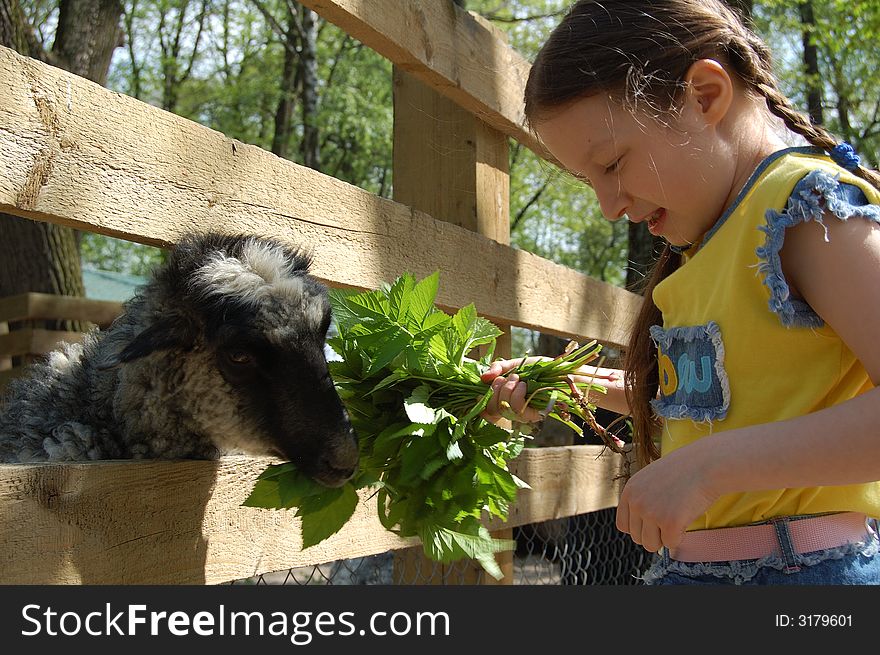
x=77, y=154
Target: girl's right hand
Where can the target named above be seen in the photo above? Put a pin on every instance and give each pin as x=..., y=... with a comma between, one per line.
x=509, y=394
x=510, y=391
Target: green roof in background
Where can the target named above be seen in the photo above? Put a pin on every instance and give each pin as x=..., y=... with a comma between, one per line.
x=108, y=285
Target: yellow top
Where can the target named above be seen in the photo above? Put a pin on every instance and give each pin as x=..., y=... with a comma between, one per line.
x=735, y=351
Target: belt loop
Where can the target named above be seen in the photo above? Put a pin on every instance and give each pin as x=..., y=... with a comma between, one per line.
x=783, y=536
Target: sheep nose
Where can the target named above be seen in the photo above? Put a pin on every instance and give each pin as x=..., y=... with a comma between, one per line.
x=345, y=455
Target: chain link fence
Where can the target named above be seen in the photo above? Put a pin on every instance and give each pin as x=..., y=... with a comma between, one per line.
x=587, y=549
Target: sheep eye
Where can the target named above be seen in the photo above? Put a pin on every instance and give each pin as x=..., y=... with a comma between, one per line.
x=239, y=357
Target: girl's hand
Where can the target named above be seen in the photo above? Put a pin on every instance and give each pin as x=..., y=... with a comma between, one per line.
x=508, y=390
x=511, y=392
x=661, y=500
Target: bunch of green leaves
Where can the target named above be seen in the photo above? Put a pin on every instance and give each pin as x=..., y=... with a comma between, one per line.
x=415, y=397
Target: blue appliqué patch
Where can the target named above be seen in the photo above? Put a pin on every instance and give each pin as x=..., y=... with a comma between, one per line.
x=693, y=382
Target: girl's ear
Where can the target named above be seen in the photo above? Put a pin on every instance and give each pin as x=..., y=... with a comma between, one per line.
x=711, y=90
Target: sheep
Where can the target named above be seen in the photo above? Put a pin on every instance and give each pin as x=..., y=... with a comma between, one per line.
x=221, y=352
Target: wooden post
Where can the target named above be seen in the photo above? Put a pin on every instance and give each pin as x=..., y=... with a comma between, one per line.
x=451, y=165
x=5, y=362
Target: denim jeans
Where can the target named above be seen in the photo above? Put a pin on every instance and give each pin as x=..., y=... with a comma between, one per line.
x=851, y=564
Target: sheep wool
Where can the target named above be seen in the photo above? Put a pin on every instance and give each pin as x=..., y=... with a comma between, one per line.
x=221, y=352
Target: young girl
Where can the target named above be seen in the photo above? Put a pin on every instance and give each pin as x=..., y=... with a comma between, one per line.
x=755, y=356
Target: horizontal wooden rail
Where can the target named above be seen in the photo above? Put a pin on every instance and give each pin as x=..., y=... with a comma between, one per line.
x=34, y=341
x=44, y=306
x=9, y=374
x=447, y=48
x=77, y=154
x=182, y=522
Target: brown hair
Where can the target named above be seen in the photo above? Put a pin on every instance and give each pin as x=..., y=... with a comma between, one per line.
x=639, y=52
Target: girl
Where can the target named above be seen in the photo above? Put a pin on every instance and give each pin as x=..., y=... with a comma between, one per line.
x=755, y=356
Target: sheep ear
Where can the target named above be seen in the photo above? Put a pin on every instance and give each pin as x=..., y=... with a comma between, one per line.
x=164, y=335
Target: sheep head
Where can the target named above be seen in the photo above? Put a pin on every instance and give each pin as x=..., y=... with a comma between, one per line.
x=234, y=330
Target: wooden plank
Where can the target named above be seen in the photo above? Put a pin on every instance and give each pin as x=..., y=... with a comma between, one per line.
x=14, y=308
x=179, y=522
x=5, y=362
x=565, y=481
x=45, y=306
x=451, y=165
x=77, y=154
x=35, y=341
x=448, y=49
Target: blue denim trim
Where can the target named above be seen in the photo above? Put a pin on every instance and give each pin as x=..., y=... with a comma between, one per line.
x=804, y=150
x=818, y=192
x=743, y=571
x=665, y=338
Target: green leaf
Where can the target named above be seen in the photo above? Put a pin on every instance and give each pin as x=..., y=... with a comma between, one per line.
x=400, y=296
x=422, y=299
x=395, y=377
x=446, y=545
x=324, y=516
x=264, y=494
x=500, y=480
x=416, y=406
x=431, y=467
x=389, y=351
x=389, y=440
x=463, y=319
x=294, y=487
x=343, y=315
x=378, y=332
x=274, y=470
x=453, y=451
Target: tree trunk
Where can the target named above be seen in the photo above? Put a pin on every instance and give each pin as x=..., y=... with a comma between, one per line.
x=811, y=62
x=290, y=79
x=15, y=33
x=36, y=256
x=311, y=151
x=88, y=33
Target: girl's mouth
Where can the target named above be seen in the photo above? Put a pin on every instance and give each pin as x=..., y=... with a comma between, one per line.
x=655, y=221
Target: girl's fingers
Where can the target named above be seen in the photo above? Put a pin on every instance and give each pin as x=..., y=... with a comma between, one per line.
x=651, y=538
x=493, y=408
x=622, y=518
x=499, y=367
x=509, y=392
x=504, y=366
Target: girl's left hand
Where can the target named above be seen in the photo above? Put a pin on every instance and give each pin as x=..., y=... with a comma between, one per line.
x=661, y=500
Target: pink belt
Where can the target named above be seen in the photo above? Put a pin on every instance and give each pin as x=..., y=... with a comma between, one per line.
x=756, y=541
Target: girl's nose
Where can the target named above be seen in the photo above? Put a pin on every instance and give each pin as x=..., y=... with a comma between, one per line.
x=613, y=201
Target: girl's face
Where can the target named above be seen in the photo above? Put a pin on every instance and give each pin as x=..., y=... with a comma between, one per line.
x=678, y=178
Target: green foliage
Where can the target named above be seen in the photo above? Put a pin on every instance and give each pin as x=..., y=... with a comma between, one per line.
x=845, y=34
x=109, y=254
x=415, y=397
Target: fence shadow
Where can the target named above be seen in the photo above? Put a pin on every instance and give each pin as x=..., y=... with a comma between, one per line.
x=105, y=522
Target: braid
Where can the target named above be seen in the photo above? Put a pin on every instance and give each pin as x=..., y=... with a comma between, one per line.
x=750, y=57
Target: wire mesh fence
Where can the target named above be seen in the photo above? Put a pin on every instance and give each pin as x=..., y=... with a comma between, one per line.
x=586, y=549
